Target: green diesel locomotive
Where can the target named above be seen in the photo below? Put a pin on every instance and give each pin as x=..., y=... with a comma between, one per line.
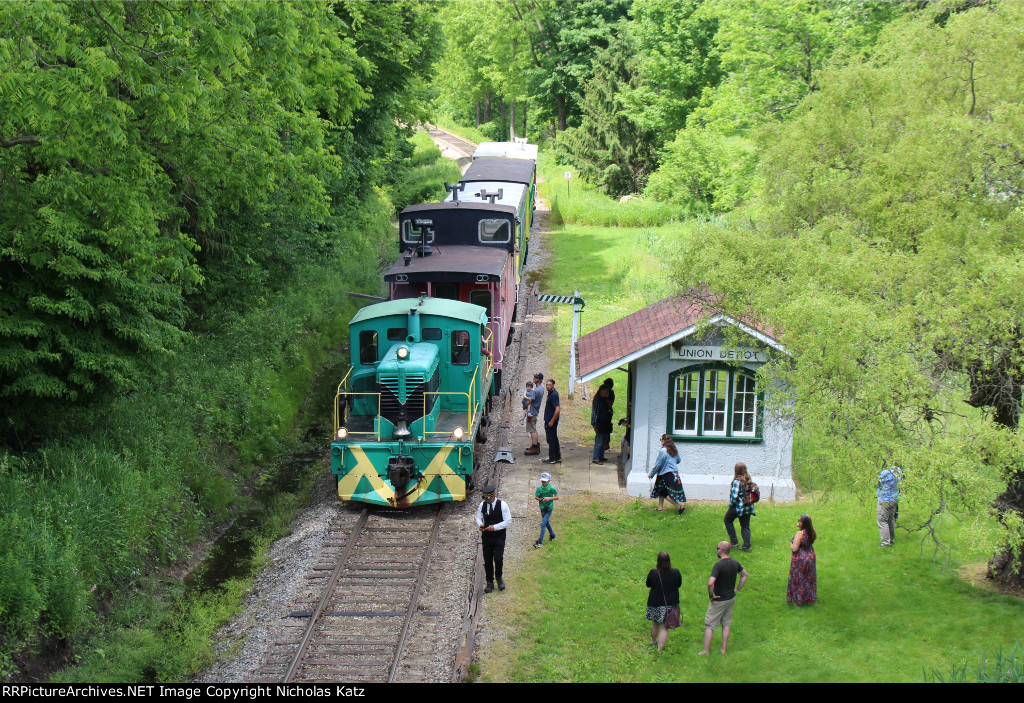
x=409, y=410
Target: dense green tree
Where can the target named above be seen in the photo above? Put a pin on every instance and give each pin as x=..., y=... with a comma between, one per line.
x=130, y=135
x=609, y=149
x=539, y=51
x=400, y=43
x=564, y=38
x=770, y=54
x=483, y=70
x=888, y=249
x=677, y=61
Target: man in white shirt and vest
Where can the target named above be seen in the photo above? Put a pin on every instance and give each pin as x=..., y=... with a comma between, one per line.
x=492, y=518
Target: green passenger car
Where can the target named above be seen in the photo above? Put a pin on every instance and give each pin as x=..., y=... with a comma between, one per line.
x=410, y=408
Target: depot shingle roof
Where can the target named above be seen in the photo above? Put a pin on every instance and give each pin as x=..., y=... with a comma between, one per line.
x=652, y=328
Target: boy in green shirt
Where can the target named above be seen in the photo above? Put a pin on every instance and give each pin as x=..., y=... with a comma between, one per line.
x=546, y=496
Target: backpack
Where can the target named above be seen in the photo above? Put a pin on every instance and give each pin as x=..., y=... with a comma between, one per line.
x=752, y=494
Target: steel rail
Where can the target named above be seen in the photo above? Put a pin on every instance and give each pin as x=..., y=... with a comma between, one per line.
x=328, y=592
x=416, y=593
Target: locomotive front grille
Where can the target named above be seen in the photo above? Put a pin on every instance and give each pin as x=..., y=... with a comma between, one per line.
x=393, y=383
x=394, y=410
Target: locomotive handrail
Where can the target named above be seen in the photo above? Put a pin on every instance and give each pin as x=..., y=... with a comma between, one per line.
x=343, y=389
x=469, y=409
x=375, y=433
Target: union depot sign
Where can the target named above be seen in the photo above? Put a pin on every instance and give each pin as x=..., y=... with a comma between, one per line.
x=698, y=353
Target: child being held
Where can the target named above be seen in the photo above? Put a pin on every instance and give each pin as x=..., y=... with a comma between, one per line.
x=527, y=399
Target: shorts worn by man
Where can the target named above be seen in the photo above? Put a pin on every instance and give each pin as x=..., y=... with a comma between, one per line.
x=722, y=590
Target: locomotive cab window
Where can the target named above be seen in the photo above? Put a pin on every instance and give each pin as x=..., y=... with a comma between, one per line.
x=396, y=334
x=460, y=347
x=431, y=334
x=368, y=347
x=413, y=233
x=495, y=231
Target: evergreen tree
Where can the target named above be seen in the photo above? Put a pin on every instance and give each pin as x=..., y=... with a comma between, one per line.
x=609, y=149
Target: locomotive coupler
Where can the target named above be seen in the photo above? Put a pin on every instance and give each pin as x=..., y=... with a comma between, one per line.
x=400, y=471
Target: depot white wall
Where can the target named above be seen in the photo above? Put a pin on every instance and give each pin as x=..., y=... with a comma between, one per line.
x=706, y=467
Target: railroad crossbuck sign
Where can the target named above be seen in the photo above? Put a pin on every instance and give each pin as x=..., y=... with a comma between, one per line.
x=577, y=307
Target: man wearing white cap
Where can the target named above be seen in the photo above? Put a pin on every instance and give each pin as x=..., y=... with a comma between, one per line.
x=546, y=496
x=492, y=517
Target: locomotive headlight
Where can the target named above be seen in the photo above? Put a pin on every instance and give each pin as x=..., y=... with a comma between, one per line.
x=458, y=433
x=342, y=433
x=403, y=352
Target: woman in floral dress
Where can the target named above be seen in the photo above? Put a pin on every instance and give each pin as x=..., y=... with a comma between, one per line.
x=803, y=570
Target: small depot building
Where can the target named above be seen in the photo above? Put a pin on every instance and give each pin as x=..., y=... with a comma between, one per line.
x=693, y=375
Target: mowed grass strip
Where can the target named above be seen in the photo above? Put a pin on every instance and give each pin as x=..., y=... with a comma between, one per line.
x=577, y=607
x=617, y=274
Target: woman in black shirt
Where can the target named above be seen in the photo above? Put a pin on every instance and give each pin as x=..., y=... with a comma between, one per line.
x=663, y=601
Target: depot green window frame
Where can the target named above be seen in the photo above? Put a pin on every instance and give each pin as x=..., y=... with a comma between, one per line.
x=703, y=372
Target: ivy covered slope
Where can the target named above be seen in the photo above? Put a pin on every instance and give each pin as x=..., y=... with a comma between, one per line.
x=186, y=191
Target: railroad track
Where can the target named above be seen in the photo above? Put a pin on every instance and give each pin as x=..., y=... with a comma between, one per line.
x=456, y=142
x=359, y=617
x=353, y=621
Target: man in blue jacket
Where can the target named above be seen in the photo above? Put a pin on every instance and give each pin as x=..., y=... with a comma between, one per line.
x=888, y=504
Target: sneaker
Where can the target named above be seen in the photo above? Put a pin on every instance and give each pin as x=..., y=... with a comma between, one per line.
x=489, y=588
x=744, y=549
x=538, y=544
x=734, y=544
x=501, y=585
x=551, y=461
x=552, y=538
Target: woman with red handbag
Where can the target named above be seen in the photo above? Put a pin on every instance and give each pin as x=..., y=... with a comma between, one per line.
x=663, y=601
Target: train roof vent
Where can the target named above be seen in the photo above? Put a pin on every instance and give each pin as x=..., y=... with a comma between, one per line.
x=484, y=195
x=455, y=190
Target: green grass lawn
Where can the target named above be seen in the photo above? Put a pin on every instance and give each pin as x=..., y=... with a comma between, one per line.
x=577, y=607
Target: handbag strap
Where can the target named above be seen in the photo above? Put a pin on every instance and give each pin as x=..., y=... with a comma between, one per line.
x=662, y=584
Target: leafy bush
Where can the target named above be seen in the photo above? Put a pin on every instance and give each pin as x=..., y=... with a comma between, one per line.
x=580, y=203
x=424, y=181
x=703, y=171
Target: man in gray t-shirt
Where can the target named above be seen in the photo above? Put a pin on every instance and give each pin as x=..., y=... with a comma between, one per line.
x=722, y=590
x=536, y=396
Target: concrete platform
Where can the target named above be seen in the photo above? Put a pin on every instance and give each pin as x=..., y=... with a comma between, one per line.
x=575, y=475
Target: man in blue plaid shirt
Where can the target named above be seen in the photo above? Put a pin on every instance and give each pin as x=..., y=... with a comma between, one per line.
x=888, y=504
